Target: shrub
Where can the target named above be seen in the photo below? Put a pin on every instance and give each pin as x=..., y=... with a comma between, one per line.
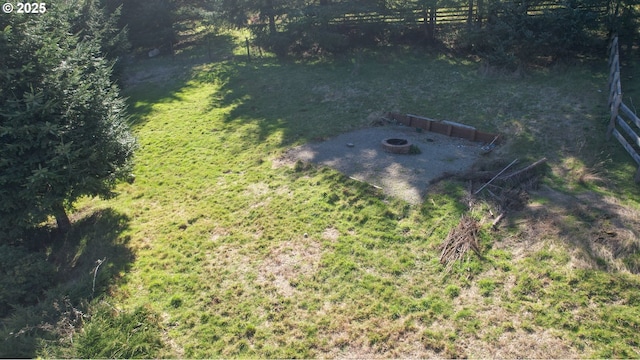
x=511, y=38
x=42, y=330
x=176, y=301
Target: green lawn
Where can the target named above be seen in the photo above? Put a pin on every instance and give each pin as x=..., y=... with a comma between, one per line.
x=234, y=253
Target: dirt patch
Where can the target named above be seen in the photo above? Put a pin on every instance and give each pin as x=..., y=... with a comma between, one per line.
x=359, y=154
x=331, y=234
x=287, y=262
x=152, y=74
x=598, y=232
x=599, y=226
x=542, y=344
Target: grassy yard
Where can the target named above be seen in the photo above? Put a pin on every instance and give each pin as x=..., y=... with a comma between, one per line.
x=224, y=250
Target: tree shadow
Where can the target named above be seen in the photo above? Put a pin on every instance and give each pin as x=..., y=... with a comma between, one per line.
x=300, y=101
x=538, y=116
x=309, y=100
x=86, y=262
x=265, y=92
x=94, y=242
x=149, y=81
x=600, y=230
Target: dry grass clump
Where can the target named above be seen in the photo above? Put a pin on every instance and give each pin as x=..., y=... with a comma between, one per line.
x=287, y=263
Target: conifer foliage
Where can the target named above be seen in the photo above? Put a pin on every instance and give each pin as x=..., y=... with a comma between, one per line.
x=63, y=128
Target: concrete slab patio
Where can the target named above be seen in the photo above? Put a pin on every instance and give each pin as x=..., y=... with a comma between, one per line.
x=403, y=176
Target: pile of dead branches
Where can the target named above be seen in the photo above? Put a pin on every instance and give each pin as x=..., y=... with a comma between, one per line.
x=460, y=240
x=507, y=189
x=503, y=178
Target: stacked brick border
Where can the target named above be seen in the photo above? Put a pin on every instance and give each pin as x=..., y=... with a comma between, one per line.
x=444, y=127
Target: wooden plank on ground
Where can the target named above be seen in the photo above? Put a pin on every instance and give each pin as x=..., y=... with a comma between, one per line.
x=440, y=128
x=400, y=118
x=463, y=132
x=421, y=117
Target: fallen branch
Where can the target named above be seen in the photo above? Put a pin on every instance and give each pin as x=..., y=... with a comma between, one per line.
x=460, y=240
x=488, y=148
x=495, y=222
x=475, y=176
x=95, y=274
x=491, y=177
x=517, y=173
x=375, y=186
x=495, y=177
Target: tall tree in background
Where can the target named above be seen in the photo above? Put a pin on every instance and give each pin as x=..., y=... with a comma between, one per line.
x=150, y=23
x=99, y=21
x=268, y=11
x=63, y=130
x=624, y=20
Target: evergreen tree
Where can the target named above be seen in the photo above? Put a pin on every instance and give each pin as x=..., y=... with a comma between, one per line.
x=98, y=20
x=63, y=130
x=150, y=23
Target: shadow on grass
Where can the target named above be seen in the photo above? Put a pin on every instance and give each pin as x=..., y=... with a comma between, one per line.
x=559, y=114
x=554, y=114
x=94, y=240
x=77, y=279
x=312, y=100
x=600, y=231
x=151, y=81
x=309, y=101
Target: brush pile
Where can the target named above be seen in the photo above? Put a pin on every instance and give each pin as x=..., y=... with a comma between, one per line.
x=505, y=190
x=459, y=241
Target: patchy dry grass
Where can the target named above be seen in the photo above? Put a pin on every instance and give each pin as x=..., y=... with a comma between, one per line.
x=241, y=254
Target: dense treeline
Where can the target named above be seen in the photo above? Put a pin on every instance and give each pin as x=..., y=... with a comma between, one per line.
x=503, y=32
x=506, y=33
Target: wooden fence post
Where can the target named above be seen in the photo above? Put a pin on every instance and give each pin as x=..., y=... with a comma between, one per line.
x=622, y=118
x=615, y=108
x=615, y=87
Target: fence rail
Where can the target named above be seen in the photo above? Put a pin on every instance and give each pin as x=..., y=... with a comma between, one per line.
x=623, y=119
x=473, y=11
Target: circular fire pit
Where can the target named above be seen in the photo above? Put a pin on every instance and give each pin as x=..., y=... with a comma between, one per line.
x=396, y=146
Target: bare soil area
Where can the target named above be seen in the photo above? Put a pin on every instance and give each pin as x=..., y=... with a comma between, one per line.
x=405, y=176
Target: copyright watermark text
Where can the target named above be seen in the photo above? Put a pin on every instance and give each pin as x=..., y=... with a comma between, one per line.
x=24, y=8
